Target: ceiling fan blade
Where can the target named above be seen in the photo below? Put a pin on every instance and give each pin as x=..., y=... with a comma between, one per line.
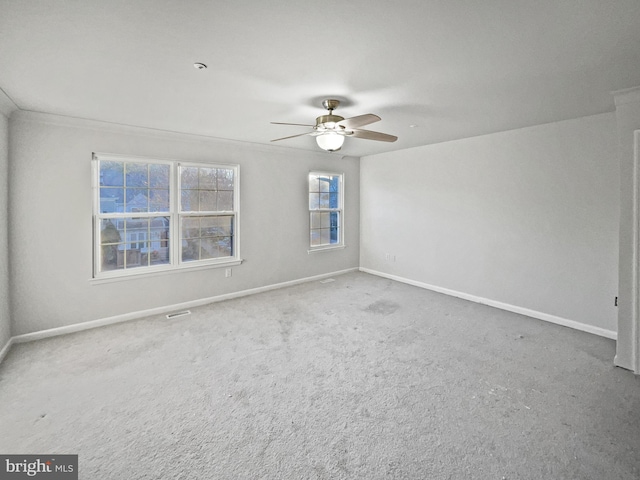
x=359, y=121
x=369, y=135
x=292, y=136
x=297, y=124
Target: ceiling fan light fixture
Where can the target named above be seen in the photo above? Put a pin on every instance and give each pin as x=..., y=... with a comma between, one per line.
x=331, y=129
x=330, y=141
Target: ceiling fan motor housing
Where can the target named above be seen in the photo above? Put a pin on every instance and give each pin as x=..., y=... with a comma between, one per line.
x=322, y=119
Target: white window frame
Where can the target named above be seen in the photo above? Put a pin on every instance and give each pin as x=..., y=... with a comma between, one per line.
x=175, y=221
x=234, y=213
x=339, y=209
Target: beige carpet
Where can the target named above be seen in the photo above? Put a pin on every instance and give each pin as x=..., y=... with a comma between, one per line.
x=360, y=378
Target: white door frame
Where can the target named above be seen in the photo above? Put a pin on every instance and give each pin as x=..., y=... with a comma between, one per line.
x=635, y=301
x=628, y=338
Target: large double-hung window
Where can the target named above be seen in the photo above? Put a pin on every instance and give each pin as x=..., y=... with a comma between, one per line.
x=154, y=215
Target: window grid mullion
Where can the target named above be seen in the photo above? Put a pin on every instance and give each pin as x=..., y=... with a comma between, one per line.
x=133, y=215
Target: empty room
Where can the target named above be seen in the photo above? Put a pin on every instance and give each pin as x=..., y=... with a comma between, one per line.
x=335, y=240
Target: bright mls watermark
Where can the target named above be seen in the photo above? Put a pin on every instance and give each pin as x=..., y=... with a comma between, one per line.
x=49, y=467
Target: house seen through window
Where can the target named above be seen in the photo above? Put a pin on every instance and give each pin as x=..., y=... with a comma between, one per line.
x=158, y=215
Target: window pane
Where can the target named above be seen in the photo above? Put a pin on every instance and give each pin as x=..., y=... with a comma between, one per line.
x=137, y=175
x=315, y=219
x=189, y=201
x=109, y=232
x=209, y=227
x=132, y=257
x=324, y=236
x=225, y=179
x=159, y=256
x=225, y=245
x=110, y=257
x=324, y=200
x=189, y=177
x=112, y=174
x=207, y=201
x=158, y=200
x=314, y=201
x=111, y=200
x=137, y=200
x=207, y=178
x=136, y=233
x=335, y=226
x=144, y=253
x=208, y=248
x=159, y=244
x=334, y=183
x=159, y=176
x=314, y=185
x=333, y=200
x=207, y=237
x=111, y=239
x=315, y=238
x=325, y=220
x=225, y=201
x=324, y=184
x=216, y=226
x=191, y=227
x=138, y=224
x=191, y=250
x=223, y=225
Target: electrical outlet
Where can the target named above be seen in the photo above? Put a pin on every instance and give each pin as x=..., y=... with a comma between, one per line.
x=227, y=272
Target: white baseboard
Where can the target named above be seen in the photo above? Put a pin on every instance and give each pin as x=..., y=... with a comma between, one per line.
x=503, y=306
x=5, y=349
x=78, y=327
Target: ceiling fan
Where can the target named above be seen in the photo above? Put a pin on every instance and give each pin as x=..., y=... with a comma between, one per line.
x=331, y=130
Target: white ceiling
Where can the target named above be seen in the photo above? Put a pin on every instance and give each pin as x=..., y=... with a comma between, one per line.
x=452, y=69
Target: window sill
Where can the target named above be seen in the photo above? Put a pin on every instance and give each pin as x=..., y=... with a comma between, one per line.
x=326, y=249
x=136, y=274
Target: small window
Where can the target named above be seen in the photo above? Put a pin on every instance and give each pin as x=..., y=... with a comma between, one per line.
x=325, y=210
x=160, y=215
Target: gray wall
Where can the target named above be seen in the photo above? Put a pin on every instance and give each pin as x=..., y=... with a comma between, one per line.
x=527, y=218
x=51, y=235
x=5, y=318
